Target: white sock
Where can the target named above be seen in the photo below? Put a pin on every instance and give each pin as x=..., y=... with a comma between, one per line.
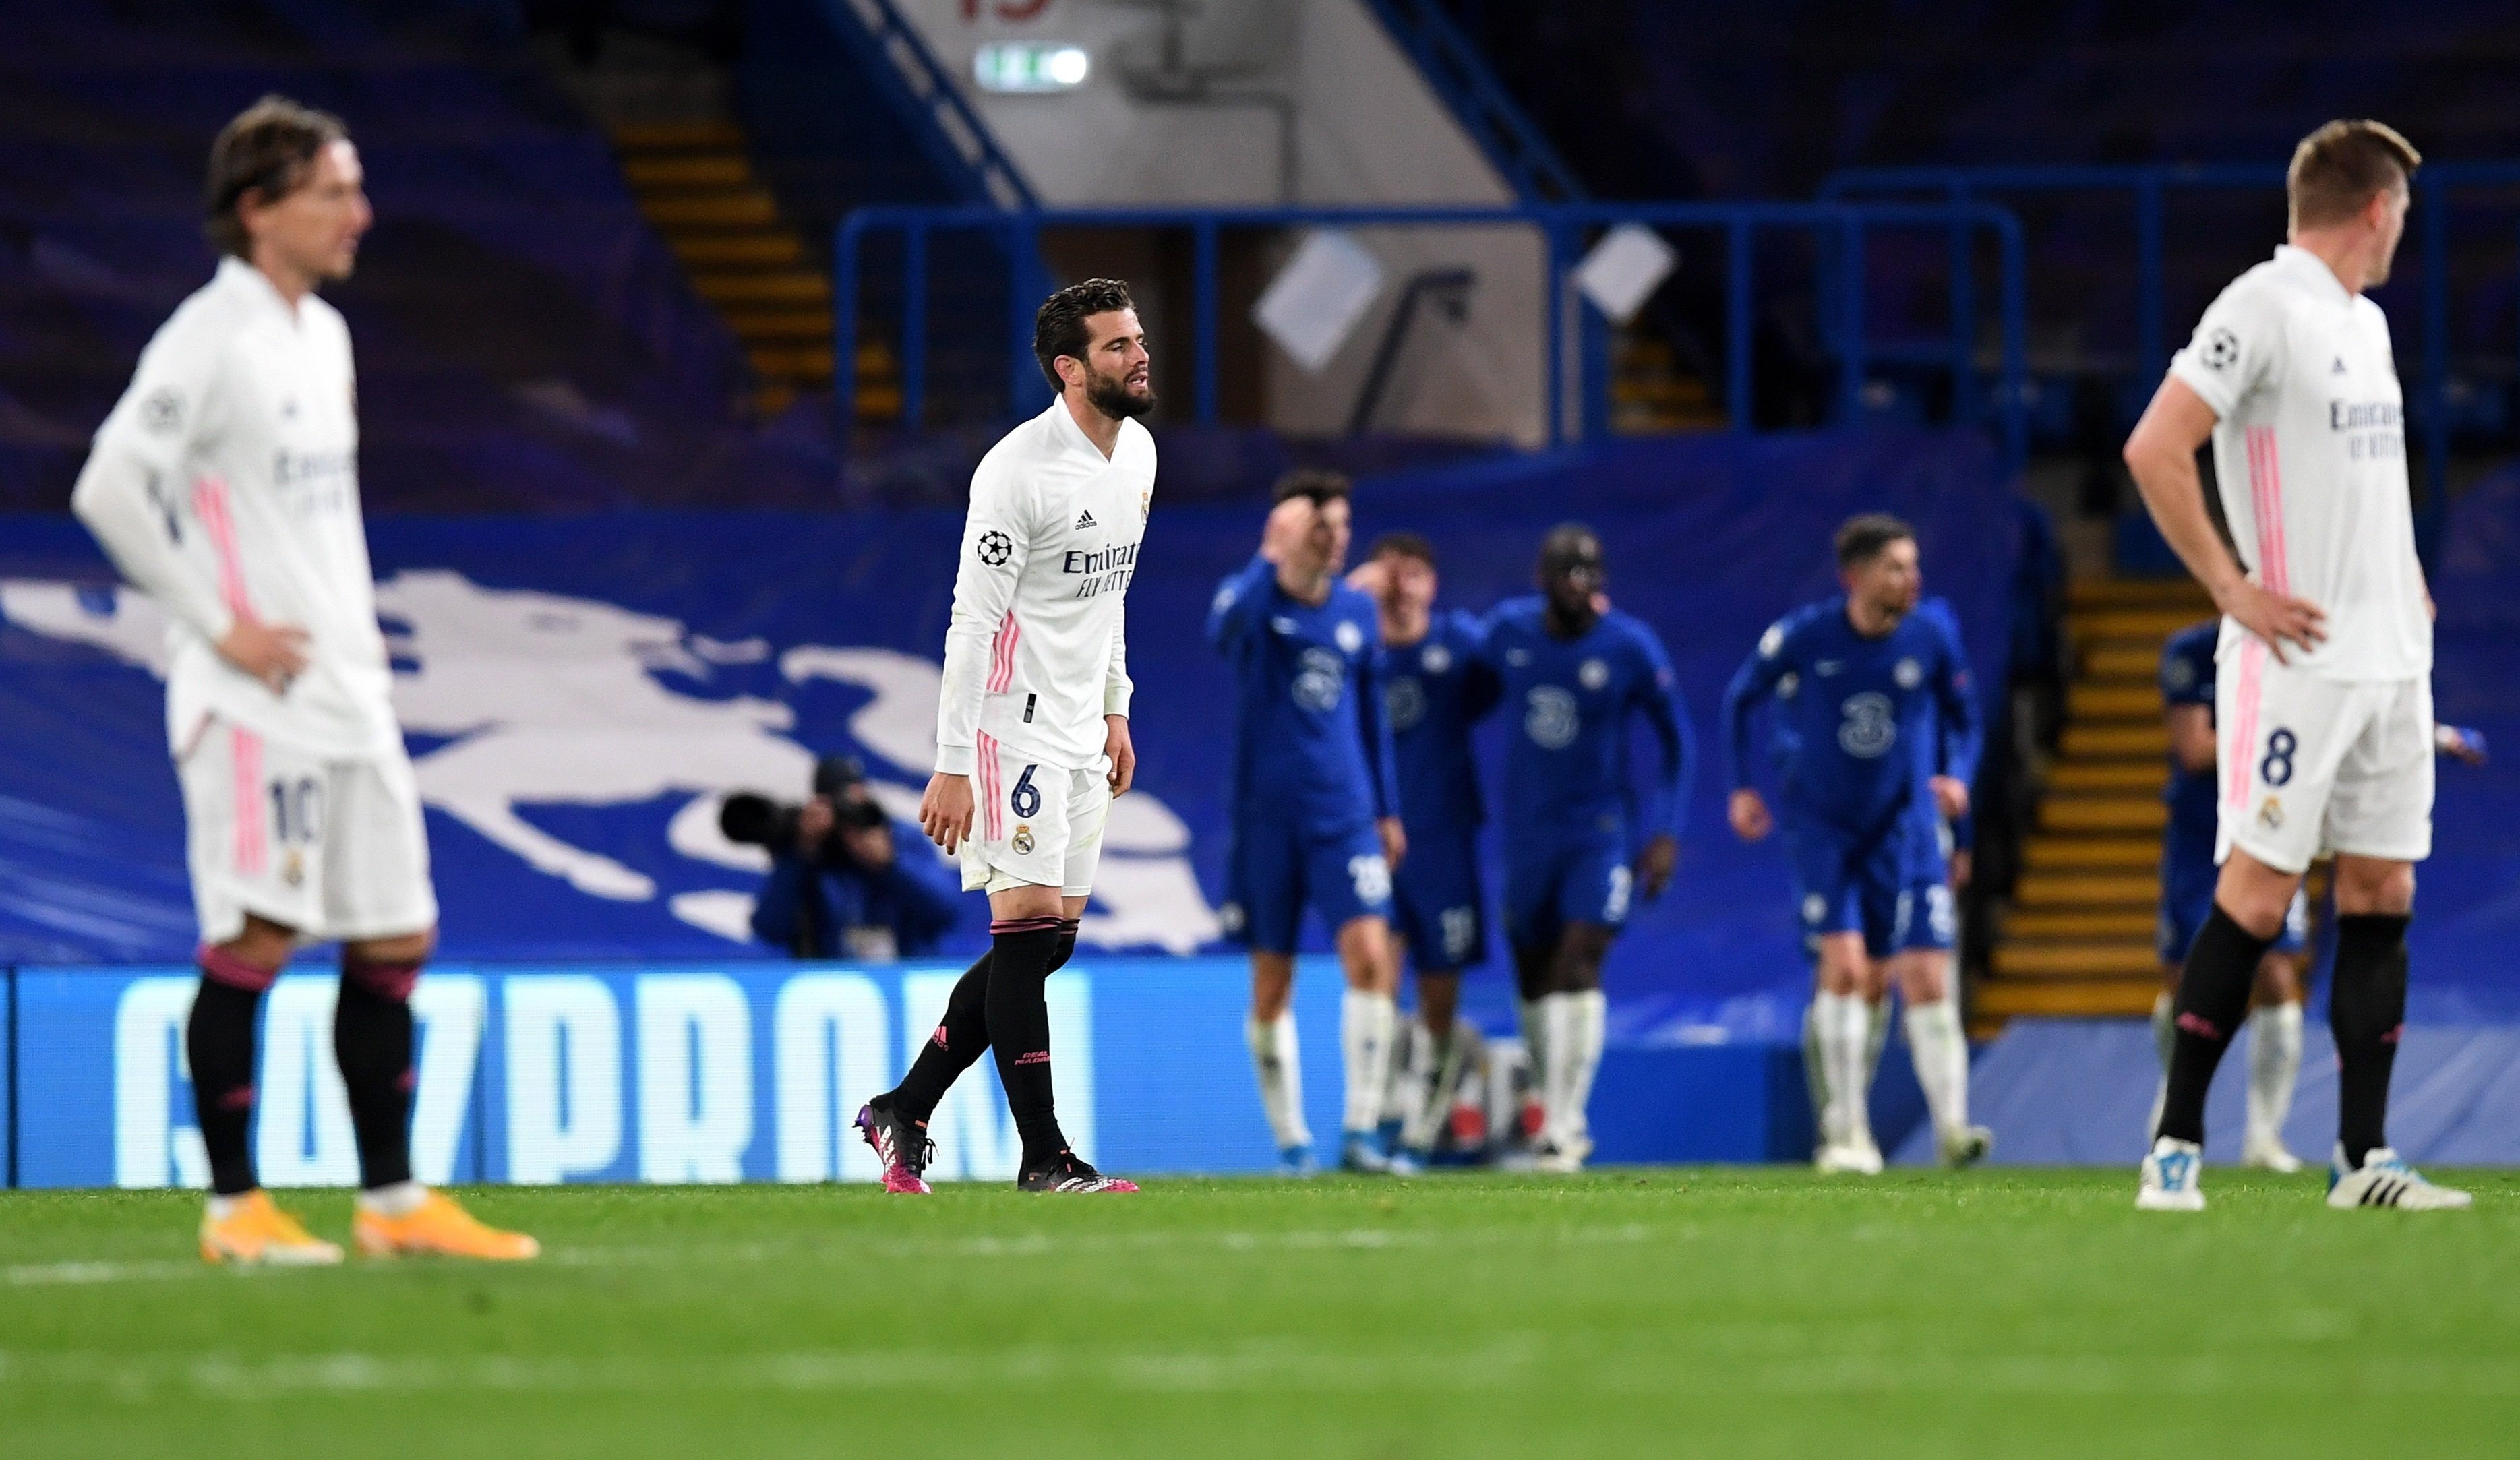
x=1278, y=1062
x=1367, y=1024
x=2165, y=1035
x=400, y=1199
x=224, y=1207
x=1535, y=1040
x=1816, y=1063
x=1844, y=1022
x=2274, y=1066
x=1576, y=1032
x=1429, y=1096
x=1413, y=1068
x=1941, y=1053
x=1876, y=1037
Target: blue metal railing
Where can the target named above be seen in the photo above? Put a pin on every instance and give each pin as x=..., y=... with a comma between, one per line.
x=1563, y=229
x=1453, y=67
x=2150, y=186
x=928, y=99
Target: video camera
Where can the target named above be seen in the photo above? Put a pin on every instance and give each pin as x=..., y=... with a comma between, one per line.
x=756, y=820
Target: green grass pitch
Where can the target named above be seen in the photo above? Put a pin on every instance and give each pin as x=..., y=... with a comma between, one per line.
x=1731, y=1312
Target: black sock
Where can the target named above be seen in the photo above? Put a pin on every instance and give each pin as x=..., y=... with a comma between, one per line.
x=2213, y=998
x=2366, y=1008
x=372, y=1038
x=219, y=1040
x=962, y=1037
x=1020, y=961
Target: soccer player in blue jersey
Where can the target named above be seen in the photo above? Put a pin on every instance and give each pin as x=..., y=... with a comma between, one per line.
x=1572, y=673
x=1884, y=741
x=1434, y=689
x=2188, y=876
x=1315, y=807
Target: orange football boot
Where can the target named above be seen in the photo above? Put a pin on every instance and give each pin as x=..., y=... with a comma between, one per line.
x=438, y=1227
x=258, y=1231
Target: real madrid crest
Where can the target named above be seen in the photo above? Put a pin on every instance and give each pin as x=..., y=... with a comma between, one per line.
x=2271, y=814
x=1023, y=839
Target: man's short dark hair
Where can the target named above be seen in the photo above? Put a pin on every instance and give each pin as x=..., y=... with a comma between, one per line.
x=1059, y=327
x=1403, y=544
x=1319, y=487
x=267, y=149
x=1863, y=537
x=2336, y=169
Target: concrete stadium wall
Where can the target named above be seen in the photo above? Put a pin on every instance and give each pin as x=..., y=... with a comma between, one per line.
x=1367, y=130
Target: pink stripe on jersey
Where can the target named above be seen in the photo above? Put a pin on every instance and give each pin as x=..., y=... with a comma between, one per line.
x=245, y=756
x=211, y=501
x=2265, y=501
x=2274, y=510
x=1002, y=665
x=992, y=824
x=2244, y=722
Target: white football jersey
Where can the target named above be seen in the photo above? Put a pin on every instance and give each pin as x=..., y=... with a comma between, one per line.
x=1037, y=651
x=226, y=485
x=2310, y=449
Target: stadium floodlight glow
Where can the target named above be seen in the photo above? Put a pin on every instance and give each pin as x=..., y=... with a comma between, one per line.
x=1030, y=67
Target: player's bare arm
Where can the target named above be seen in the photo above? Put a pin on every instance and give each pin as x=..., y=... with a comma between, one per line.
x=2162, y=456
x=274, y=654
x=1656, y=863
x=1747, y=812
x=1122, y=753
x=1950, y=796
x=945, y=809
x=1395, y=841
x=2191, y=737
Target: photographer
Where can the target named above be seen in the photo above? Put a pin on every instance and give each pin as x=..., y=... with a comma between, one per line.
x=842, y=883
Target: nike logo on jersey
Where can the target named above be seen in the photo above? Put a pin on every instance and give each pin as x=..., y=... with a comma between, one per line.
x=1282, y=625
x=1828, y=666
x=1084, y=520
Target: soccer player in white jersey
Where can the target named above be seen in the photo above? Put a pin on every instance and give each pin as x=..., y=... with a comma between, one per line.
x=225, y=486
x=1032, y=728
x=2323, y=710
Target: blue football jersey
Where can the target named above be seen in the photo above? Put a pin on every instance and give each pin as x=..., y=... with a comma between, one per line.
x=1433, y=692
x=1311, y=745
x=2188, y=679
x=1567, y=759
x=1871, y=718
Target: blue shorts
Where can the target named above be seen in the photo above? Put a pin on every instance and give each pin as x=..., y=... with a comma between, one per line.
x=1890, y=887
x=1276, y=868
x=1570, y=880
x=1435, y=901
x=2186, y=901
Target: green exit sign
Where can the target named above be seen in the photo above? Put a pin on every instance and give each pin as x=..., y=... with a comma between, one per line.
x=1030, y=66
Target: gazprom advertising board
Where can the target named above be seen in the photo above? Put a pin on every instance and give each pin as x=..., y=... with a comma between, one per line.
x=740, y=1072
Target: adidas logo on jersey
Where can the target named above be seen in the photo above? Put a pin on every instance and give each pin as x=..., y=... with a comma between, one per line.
x=1084, y=520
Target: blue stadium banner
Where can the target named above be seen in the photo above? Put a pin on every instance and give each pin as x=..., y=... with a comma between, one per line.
x=689, y=1072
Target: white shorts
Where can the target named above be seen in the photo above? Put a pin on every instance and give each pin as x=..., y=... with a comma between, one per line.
x=2313, y=766
x=328, y=848
x=1033, y=826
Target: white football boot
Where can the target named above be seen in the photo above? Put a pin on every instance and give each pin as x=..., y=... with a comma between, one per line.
x=2169, y=1178
x=1857, y=1157
x=1964, y=1147
x=2264, y=1151
x=2386, y=1182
